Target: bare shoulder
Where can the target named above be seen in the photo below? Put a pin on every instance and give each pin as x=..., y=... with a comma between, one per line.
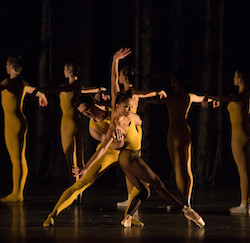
x=4, y=82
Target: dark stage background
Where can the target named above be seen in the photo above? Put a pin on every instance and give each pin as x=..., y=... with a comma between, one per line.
x=207, y=37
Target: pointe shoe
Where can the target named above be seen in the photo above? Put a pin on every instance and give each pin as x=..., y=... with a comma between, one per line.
x=123, y=203
x=134, y=221
x=127, y=221
x=190, y=214
x=10, y=198
x=239, y=210
x=49, y=222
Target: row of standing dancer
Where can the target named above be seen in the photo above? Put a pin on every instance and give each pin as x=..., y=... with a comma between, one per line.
x=179, y=146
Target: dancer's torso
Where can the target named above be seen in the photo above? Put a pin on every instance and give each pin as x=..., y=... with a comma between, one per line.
x=178, y=108
x=238, y=113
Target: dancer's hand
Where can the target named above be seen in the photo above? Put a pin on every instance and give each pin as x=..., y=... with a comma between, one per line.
x=122, y=53
x=79, y=172
x=162, y=94
x=42, y=99
x=75, y=169
x=216, y=103
x=105, y=97
x=119, y=134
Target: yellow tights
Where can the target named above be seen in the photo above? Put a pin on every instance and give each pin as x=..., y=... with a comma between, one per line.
x=241, y=154
x=15, y=138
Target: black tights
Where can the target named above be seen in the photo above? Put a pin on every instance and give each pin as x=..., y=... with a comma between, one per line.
x=140, y=174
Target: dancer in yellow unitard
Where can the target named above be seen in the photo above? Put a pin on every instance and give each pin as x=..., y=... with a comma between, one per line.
x=133, y=166
x=98, y=126
x=13, y=91
x=126, y=77
x=71, y=126
x=238, y=108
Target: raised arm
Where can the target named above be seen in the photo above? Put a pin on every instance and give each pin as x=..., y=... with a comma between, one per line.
x=122, y=53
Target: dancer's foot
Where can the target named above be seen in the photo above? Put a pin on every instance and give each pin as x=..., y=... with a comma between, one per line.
x=123, y=203
x=242, y=209
x=128, y=222
x=20, y=198
x=49, y=222
x=189, y=213
x=10, y=198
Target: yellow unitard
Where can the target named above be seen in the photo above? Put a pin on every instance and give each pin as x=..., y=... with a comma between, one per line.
x=71, y=127
x=129, y=185
x=71, y=133
x=96, y=170
x=240, y=143
x=15, y=130
x=179, y=143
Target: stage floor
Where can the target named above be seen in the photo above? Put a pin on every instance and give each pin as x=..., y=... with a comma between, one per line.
x=98, y=220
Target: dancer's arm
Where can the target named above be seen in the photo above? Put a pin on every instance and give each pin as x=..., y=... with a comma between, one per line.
x=203, y=99
x=143, y=94
x=42, y=98
x=122, y=53
x=84, y=90
x=226, y=98
x=3, y=84
x=92, y=90
x=109, y=138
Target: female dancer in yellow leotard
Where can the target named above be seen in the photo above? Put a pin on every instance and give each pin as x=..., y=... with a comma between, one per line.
x=71, y=127
x=126, y=77
x=238, y=108
x=98, y=126
x=15, y=124
x=134, y=167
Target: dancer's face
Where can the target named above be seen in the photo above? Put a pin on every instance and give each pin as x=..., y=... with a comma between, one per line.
x=9, y=67
x=124, y=108
x=237, y=79
x=67, y=71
